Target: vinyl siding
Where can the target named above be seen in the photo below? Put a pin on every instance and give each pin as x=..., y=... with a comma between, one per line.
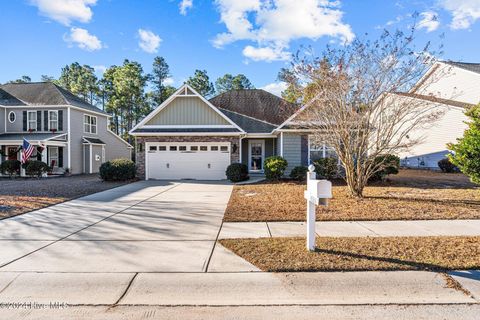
x=187, y=111
x=434, y=145
x=292, y=150
x=17, y=126
x=3, y=120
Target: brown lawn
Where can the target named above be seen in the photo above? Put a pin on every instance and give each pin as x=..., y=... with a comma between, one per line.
x=357, y=254
x=411, y=195
x=19, y=196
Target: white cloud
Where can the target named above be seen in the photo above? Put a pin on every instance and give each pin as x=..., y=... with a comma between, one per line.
x=273, y=24
x=169, y=82
x=429, y=21
x=100, y=69
x=149, y=41
x=66, y=11
x=185, y=5
x=464, y=12
x=276, y=88
x=268, y=54
x=83, y=39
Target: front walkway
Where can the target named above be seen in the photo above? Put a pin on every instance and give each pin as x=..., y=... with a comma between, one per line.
x=398, y=228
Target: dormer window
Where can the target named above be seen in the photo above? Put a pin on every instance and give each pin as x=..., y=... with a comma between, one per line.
x=90, y=124
x=32, y=121
x=12, y=117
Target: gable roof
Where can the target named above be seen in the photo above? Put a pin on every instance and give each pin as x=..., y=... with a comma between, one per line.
x=46, y=93
x=186, y=91
x=249, y=124
x=474, y=67
x=448, y=102
x=255, y=103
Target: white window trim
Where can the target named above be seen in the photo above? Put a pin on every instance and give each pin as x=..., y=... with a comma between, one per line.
x=323, y=149
x=14, y=116
x=49, y=119
x=28, y=120
x=50, y=156
x=90, y=124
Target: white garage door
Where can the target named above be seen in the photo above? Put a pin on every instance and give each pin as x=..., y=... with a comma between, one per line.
x=201, y=161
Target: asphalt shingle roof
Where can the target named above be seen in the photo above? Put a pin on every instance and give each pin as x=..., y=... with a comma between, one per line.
x=93, y=140
x=248, y=124
x=196, y=130
x=45, y=93
x=256, y=103
x=6, y=99
x=474, y=67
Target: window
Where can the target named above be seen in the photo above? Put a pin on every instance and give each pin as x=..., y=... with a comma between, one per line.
x=53, y=120
x=182, y=148
x=153, y=148
x=318, y=150
x=214, y=148
x=103, y=154
x=162, y=148
x=32, y=120
x=194, y=148
x=224, y=148
x=90, y=124
x=53, y=156
x=173, y=148
x=12, y=117
x=203, y=148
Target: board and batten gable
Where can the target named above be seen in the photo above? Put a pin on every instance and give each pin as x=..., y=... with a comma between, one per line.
x=187, y=111
x=452, y=83
x=18, y=125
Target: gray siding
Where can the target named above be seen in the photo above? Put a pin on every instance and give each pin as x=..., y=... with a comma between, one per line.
x=86, y=158
x=187, y=111
x=115, y=147
x=17, y=126
x=2, y=119
x=292, y=150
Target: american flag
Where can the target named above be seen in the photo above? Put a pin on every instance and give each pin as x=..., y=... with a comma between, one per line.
x=28, y=149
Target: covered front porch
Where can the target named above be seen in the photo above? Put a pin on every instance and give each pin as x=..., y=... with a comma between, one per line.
x=254, y=151
x=50, y=148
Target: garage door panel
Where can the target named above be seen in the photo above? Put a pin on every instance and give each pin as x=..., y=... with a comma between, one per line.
x=200, y=165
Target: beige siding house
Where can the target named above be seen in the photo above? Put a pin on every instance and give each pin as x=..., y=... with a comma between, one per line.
x=74, y=134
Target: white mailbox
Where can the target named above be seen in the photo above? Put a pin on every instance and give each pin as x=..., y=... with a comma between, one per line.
x=318, y=192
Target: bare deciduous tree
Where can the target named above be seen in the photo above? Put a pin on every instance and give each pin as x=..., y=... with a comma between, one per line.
x=351, y=101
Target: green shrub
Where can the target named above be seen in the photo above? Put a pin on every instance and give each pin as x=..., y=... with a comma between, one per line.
x=36, y=168
x=326, y=168
x=117, y=170
x=237, y=172
x=466, y=152
x=299, y=173
x=274, y=167
x=10, y=167
x=389, y=164
x=447, y=166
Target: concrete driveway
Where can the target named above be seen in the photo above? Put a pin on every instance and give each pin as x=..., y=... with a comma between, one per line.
x=148, y=226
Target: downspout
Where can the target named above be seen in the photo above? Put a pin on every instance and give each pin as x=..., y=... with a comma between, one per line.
x=69, y=147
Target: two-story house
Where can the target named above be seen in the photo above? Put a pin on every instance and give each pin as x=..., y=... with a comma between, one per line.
x=68, y=132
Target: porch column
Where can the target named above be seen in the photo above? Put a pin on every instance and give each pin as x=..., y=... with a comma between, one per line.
x=45, y=158
x=22, y=169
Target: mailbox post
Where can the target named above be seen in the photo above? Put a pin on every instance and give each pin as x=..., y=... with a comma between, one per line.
x=318, y=192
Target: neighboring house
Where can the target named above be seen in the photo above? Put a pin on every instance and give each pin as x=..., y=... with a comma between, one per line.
x=189, y=137
x=75, y=134
x=454, y=87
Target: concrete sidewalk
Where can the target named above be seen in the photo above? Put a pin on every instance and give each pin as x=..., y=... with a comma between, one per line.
x=396, y=228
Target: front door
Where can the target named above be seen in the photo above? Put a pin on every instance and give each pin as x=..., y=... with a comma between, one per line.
x=12, y=153
x=256, y=151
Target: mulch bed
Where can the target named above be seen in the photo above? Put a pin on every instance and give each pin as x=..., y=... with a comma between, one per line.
x=412, y=195
x=20, y=195
x=359, y=254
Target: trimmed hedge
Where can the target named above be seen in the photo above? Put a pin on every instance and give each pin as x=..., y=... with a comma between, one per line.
x=274, y=167
x=117, y=170
x=36, y=168
x=237, y=172
x=299, y=173
x=326, y=168
x=10, y=167
x=447, y=166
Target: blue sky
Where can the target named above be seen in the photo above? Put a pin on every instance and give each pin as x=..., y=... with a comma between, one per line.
x=253, y=37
